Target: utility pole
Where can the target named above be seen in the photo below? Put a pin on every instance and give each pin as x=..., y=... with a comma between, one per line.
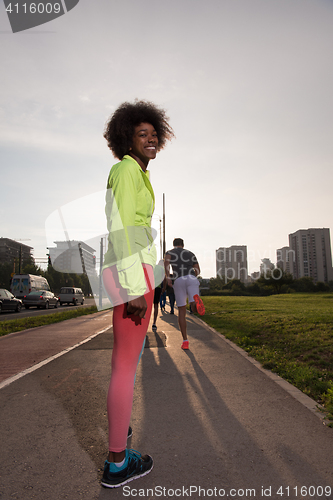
x=161, y=246
x=100, y=274
x=20, y=253
x=164, y=249
x=20, y=259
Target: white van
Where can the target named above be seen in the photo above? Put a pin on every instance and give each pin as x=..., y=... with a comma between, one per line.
x=71, y=295
x=23, y=284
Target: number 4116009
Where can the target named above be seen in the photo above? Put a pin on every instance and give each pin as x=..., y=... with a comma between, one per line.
x=34, y=8
x=303, y=491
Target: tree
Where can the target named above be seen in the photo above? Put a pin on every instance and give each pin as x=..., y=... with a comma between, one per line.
x=216, y=284
x=29, y=267
x=304, y=284
x=322, y=287
x=5, y=275
x=276, y=279
x=235, y=285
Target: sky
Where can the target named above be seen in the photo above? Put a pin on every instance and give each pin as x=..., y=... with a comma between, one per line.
x=247, y=86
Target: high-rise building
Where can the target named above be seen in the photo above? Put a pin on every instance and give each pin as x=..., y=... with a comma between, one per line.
x=313, y=255
x=73, y=257
x=266, y=266
x=11, y=250
x=231, y=263
x=285, y=258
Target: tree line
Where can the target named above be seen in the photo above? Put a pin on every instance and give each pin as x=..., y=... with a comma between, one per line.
x=271, y=282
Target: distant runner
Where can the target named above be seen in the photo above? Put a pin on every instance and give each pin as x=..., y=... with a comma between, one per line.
x=185, y=269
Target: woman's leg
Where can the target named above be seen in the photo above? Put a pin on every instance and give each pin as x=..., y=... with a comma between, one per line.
x=129, y=334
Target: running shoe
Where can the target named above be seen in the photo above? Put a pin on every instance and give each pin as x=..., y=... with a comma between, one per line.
x=154, y=328
x=130, y=432
x=137, y=466
x=199, y=305
x=185, y=345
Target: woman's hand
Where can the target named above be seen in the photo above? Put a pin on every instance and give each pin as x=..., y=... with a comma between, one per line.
x=137, y=307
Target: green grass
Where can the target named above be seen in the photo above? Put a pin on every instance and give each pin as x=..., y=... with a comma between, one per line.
x=16, y=325
x=291, y=334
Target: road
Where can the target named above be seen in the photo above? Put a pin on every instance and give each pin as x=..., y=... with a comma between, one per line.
x=25, y=313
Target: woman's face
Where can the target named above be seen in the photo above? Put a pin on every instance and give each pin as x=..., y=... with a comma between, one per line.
x=144, y=146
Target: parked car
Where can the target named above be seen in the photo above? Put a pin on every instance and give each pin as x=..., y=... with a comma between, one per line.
x=8, y=302
x=71, y=295
x=40, y=298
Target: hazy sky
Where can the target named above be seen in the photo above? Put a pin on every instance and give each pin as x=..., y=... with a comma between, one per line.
x=247, y=85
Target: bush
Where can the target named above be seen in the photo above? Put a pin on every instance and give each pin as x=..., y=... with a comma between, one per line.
x=304, y=284
x=322, y=287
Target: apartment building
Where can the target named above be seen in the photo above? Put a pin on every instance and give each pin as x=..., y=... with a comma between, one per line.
x=266, y=266
x=11, y=250
x=231, y=263
x=312, y=254
x=73, y=257
x=285, y=258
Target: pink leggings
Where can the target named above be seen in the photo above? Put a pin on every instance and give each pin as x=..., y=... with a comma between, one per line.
x=129, y=334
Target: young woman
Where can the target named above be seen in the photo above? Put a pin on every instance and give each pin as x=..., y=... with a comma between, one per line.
x=135, y=133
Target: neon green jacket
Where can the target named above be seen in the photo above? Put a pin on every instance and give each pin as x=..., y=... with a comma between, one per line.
x=130, y=203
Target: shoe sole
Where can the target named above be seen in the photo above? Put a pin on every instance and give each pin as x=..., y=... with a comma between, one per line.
x=199, y=305
x=128, y=480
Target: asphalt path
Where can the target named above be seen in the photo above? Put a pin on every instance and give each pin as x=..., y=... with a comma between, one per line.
x=216, y=424
x=26, y=313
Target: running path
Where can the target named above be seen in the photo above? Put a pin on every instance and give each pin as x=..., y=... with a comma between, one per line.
x=215, y=424
x=22, y=350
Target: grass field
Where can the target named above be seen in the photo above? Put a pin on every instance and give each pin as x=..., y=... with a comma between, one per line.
x=16, y=325
x=290, y=334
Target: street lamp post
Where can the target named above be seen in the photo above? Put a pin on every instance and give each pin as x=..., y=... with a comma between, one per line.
x=164, y=246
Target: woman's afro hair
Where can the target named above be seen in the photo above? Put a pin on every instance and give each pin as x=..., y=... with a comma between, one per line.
x=119, y=129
